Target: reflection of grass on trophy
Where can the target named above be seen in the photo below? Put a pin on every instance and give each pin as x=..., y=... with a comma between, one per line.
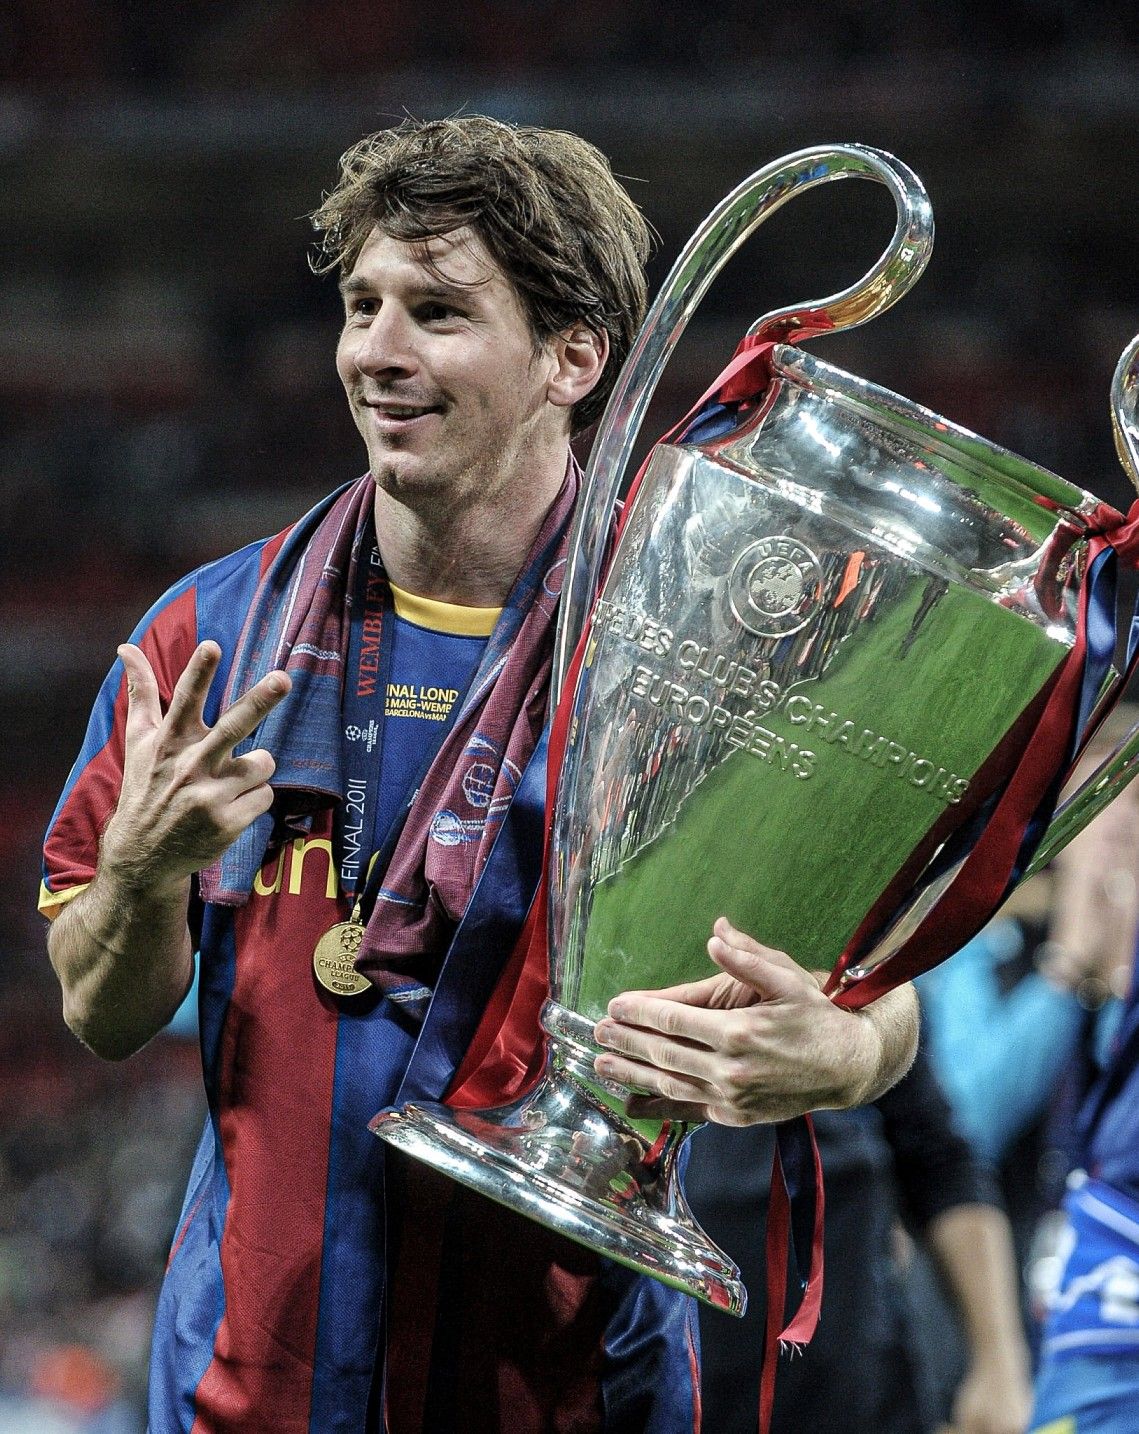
x=798, y=862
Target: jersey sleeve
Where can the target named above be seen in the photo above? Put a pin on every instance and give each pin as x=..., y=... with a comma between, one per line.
x=210, y=603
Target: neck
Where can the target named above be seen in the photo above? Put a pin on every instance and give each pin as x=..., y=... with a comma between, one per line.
x=469, y=555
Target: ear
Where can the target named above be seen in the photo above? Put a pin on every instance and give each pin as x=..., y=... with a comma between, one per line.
x=579, y=357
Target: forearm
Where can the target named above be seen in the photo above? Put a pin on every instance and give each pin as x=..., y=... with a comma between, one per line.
x=123, y=956
x=972, y=1247
x=891, y=1025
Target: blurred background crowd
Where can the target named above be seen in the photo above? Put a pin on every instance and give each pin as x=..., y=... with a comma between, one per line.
x=167, y=392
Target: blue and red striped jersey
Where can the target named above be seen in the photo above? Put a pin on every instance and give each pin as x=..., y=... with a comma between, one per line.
x=315, y=1284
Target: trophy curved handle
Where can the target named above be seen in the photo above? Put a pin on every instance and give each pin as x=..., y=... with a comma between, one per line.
x=1121, y=766
x=1124, y=402
x=711, y=246
x=1098, y=791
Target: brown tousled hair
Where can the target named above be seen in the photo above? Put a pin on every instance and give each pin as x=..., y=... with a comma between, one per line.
x=544, y=202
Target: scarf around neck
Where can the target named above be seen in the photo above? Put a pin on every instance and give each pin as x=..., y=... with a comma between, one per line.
x=299, y=620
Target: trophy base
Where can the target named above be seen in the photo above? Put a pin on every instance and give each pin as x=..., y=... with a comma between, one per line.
x=565, y=1158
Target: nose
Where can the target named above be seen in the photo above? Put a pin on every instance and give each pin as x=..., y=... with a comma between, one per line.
x=385, y=347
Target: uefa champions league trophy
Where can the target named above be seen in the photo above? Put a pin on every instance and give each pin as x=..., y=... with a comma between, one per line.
x=821, y=634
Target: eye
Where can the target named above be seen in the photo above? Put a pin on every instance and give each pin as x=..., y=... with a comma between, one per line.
x=438, y=311
x=364, y=307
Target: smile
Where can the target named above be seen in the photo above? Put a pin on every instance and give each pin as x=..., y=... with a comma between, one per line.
x=400, y=412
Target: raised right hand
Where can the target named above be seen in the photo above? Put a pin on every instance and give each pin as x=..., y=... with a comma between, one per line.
x=185, y=797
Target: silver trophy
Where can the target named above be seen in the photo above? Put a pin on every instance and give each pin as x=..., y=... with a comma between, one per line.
x=821, y=633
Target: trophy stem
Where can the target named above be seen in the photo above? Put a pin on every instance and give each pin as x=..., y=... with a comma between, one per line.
x=565, y=1156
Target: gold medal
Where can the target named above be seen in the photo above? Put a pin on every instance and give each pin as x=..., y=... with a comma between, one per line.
x=333, y=957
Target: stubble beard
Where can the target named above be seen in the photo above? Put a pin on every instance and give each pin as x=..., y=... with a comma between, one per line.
x=437, y=491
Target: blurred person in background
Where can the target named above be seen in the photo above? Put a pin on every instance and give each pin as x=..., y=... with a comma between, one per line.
x=869, y=1365
x=1035, y=1032
x=301, y=766
x=1088, y=1379
x=1022, y=1015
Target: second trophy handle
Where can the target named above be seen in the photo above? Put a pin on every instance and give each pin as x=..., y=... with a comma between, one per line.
x=705, y=254
x=1121, y=766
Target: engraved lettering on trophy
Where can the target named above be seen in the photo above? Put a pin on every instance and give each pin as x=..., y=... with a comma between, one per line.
x=649, y=683
x=663, y=692
x=747, y=734
x=727, y=673
x=872, y=748
x=619, y=621
x=740, y=730
x=767, y=695
x=879, y=751
x=776, y=586
x=659, y=636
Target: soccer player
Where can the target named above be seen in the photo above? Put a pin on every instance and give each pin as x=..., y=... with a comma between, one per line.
x=305, y=759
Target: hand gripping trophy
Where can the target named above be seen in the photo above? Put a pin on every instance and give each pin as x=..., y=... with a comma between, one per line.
x=841, y=660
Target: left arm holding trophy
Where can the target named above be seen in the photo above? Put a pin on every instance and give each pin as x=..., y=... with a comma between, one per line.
x=758, y=1042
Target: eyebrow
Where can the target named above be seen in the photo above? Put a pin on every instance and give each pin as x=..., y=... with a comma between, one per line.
x=355, y=284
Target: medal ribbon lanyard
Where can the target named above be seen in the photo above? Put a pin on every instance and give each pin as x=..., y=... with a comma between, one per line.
x=371, y=637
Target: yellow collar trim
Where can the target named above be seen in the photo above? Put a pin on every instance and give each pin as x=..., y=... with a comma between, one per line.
x=444, y=616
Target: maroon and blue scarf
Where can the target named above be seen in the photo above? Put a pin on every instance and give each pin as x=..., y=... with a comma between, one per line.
x=299, y=620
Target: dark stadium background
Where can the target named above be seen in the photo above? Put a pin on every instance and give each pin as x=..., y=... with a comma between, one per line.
x=167, y=391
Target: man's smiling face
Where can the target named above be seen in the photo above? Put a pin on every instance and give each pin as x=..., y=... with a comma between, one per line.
x=442, y=374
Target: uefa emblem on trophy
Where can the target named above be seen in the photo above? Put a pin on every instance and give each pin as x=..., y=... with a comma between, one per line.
x=839, y=639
